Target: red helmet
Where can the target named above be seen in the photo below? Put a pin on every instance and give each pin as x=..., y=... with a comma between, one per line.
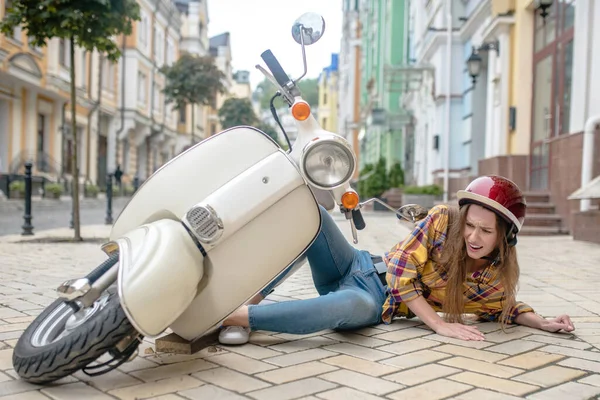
x=499, y=195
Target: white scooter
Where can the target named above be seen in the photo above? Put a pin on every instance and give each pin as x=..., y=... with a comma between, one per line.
x=201, y=237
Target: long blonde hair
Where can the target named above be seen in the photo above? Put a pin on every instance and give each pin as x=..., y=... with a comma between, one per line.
x=453, y=259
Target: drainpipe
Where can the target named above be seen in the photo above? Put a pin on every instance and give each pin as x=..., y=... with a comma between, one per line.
x=120, y=130
x=93, y=109
x=587, y=161
x=448, y=94
x=152, y=94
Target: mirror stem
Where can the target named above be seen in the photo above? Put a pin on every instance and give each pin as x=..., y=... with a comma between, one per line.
x=303, y=56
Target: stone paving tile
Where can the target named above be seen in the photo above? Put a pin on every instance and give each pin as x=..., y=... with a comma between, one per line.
x=241, y=363
x=231, y=380
x=570, y=390
x=211, y=392
x=415, y=359
x=497, y=384
x=170, y=385
x=533, y=359
x=358, y=351
x=549, y=376
x=26, y=396
x=405, y=359
x=293, y=390
x=439, y=389
x=515, y=347
x=362, y=382
x=422, y=374
x=581, y=364
x=479, y=394
x=303, y=344
x=593, y=380
x=75, y=391
x=295, y=372
x=346, y=393
x=360, y=365
x=300, y=357
x=471, y=353
x=482, y=367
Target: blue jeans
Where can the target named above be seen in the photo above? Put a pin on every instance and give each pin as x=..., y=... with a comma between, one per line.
x=351, y=294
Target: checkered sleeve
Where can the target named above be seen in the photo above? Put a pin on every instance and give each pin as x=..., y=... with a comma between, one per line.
x=406, y=260
x=494, y=315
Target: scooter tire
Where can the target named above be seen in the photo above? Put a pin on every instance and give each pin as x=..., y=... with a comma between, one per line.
x=41, y=364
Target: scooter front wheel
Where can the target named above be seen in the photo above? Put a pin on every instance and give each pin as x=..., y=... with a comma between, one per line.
x=61, y=341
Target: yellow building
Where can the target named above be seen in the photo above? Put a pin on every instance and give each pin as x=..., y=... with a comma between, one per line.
x=34, y=96
x=328, y=96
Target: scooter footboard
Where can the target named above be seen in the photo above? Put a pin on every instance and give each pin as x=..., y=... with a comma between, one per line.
x=160, y=267
x=250, y=259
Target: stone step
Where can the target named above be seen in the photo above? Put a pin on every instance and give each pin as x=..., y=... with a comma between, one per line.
x=537, y=197
x=543, y=220
x=540, y=208
x=541, y=231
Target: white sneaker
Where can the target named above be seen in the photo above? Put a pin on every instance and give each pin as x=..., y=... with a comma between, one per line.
x=234, y=335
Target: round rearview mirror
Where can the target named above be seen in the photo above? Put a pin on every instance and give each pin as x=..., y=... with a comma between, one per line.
x=309, y=27
x=412, y=212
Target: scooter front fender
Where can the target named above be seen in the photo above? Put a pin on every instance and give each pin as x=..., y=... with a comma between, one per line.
x=160, y=268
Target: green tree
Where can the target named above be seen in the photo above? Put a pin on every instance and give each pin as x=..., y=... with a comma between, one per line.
x=90, y=24
x=265, y=90
x=236, y=112
x=193, y=80
x=396, y=176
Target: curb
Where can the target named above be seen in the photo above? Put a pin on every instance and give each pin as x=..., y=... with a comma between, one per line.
x=89, y=233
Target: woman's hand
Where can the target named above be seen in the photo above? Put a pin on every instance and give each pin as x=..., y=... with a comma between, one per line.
x=459, y=331
x=562, y=322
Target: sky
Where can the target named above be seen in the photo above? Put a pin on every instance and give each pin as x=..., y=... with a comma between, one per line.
x=258, y=25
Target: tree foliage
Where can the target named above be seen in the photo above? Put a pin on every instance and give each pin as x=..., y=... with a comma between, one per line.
x=236, y=112
x=90, y=24
x=193, y=80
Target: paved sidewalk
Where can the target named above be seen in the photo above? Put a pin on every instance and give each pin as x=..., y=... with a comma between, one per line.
x=404, y=360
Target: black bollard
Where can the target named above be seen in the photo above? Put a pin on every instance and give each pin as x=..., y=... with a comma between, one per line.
x=109, y=194
x=136, y=184
x=27, y=227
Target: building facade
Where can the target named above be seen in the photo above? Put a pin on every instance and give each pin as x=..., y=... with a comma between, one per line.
x=349, y=76
x=383, y=119
x=122, y=115
x=327, y=112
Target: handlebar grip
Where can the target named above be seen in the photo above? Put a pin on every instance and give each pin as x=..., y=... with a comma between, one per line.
x=275, y=68
x=358, y=219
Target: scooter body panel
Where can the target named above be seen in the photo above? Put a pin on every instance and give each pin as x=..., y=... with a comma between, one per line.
x=160, y=267
x=192, y=176
x=250, y=259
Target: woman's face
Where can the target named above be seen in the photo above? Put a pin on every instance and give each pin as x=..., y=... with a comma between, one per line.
x=480, y=232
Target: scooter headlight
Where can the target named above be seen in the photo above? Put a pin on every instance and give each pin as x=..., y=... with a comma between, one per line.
x=328, y=162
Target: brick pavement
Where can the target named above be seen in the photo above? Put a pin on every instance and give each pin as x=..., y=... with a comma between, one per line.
x=402, y=360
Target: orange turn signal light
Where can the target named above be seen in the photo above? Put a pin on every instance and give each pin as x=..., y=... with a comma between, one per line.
x=350, y=200
x=301, y=111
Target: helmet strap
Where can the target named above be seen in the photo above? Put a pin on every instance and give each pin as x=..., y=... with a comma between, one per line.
x=511, y=236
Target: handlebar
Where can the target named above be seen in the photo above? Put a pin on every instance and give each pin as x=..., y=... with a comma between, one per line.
x=278, y=73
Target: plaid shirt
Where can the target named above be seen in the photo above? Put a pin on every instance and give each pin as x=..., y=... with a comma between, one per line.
x=411, y=273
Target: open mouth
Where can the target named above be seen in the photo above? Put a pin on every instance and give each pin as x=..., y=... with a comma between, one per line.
x=473, y=247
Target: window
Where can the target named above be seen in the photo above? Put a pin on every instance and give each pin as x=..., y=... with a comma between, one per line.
x=156, y=99
x=83, y=68
x=159, y=53
x=108, y=75
x=64, y=53
x=170, y=51
x=182, y=115
x=141, y=87
x=143, y=27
